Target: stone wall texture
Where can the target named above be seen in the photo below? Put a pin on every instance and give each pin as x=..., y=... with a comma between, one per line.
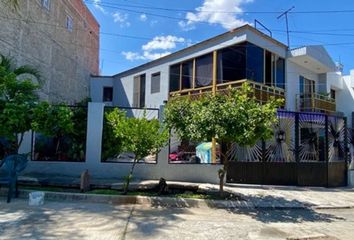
x=37, y=36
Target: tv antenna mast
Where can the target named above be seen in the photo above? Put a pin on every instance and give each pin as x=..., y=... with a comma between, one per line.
x=287, y=23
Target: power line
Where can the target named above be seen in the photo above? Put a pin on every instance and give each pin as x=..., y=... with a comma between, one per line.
x=109, y=4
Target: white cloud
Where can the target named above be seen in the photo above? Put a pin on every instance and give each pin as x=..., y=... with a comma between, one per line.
x=156, y=48
x=121, y=19
x=96, y=4
x=224, y=12
x=132, y=56
x=143, y=17
x=146, y=55
x=153, y=56
x=163, y=42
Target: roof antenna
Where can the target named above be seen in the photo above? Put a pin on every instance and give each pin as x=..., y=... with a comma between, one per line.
x=287, y=24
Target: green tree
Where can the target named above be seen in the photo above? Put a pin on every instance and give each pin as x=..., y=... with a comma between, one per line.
x=53, y=121
x=140, y=136
x=18, y=100
x=12, y=3
x=78, y=135
x=236, y=117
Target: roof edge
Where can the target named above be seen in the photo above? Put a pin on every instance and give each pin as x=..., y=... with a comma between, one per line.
x=232, y=31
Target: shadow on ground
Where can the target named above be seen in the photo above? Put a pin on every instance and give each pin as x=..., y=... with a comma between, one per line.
x=270, y=209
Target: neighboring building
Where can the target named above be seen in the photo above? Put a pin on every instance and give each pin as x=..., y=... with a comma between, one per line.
x=59, y=38
x=344, y=95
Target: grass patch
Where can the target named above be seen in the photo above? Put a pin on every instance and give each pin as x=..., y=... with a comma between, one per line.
x=112, y=192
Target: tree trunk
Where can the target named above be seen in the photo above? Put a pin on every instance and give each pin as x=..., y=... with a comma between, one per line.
x=129, y=177
x=222, y=173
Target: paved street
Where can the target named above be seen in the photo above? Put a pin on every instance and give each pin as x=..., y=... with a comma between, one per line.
x=66, y=220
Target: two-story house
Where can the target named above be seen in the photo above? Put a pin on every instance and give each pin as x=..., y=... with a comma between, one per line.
x=311, y=128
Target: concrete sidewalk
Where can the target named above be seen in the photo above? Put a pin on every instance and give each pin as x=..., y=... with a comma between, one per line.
x=73, y=220
x=254, y=196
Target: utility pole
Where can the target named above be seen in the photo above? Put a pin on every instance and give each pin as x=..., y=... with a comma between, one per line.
x=287, y=24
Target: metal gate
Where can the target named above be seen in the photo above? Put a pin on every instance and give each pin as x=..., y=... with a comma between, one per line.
x=307, y=149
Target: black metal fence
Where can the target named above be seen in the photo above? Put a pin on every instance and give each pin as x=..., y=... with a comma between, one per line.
x=308, y=149
x=67, y=148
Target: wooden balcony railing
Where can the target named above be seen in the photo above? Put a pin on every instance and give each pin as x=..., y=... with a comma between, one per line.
x=314, y=102
x=262, y=92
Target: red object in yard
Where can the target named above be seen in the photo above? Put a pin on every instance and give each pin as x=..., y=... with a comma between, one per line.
x=173, y=156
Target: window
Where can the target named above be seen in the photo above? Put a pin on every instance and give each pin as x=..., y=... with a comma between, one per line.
x=69, y=23
x=333, y=94
x=204, y=70
x=232, y=64
x=187, y=75
x=307, y=86
x=107, y=94
x=46, y=4
x=280, y=73
x=269, y=66
x=255, y=63
x=174, y=78
x=155, y=82
x=139, y=91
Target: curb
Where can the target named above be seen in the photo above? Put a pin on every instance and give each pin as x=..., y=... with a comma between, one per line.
x=139, y=200
x=168, y=201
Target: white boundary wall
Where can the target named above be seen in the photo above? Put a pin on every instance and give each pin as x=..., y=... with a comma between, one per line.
x=98, y=169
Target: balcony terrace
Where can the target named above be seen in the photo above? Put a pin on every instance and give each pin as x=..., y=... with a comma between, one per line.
x=313, y=102
x=229, y=68
x=262, y=92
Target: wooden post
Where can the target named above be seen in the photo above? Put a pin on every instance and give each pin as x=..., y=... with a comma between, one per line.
x=193, y=77
x=213, y=141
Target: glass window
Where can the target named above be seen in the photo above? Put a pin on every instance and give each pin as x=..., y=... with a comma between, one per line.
x=280, y=73
x=302, y=89
x=69, y=23
x=174, y=78
x=269, y=66
x=107, y=94
x=231, y=64
x=139, y=91
x=46, y=4
x=333, y=94
x=255, y=63
x=187, y=75
x=204, y=70
x=142, y=90
x=155, y=82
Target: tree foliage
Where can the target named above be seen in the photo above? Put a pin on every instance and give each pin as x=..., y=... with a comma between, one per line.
x=52, y=120
x=140, y=136
x=236, y=117
x=18, y=100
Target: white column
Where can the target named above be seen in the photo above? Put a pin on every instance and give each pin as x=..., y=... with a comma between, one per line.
x=26, y=146
x=94, y=133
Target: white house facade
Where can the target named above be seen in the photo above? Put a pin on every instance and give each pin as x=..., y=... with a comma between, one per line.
x=305, y=77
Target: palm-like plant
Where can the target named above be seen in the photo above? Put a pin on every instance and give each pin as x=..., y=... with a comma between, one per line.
x=13, y=3
x=17, y=101
x=8, y=66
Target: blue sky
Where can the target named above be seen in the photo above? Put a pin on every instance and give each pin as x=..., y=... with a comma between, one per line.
x=137, y=31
